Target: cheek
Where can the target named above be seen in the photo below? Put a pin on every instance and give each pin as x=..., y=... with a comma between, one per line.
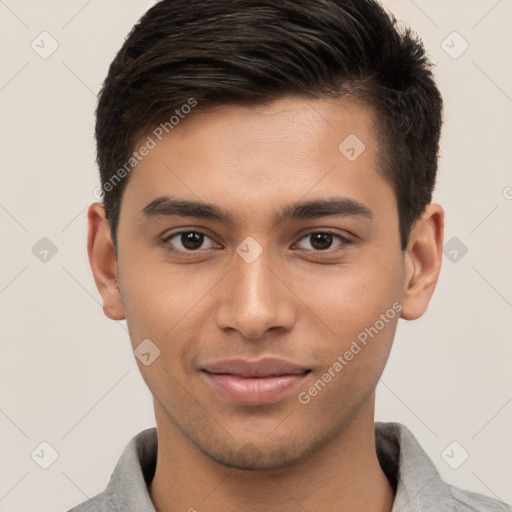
x=161, y=300
x=145, y=295
x=350, y=297
x=352, y=365
x=360, y=304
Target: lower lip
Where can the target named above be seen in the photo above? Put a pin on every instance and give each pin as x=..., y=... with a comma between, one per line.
x=254, y=390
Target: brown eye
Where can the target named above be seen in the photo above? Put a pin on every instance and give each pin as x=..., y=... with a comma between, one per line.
x=321, y=241
x=188, y=241
x=192, y=240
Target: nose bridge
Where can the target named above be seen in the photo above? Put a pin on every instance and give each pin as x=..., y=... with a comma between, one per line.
x=255, y=299
x=256, y=281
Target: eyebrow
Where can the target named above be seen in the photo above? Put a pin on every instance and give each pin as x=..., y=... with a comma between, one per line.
x=165, y=206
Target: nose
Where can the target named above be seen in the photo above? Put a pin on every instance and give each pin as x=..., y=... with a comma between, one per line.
x=256, y=298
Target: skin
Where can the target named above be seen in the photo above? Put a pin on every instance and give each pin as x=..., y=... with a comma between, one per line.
x=214, y=454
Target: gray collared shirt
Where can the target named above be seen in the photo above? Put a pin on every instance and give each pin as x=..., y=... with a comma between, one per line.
x=419, y=487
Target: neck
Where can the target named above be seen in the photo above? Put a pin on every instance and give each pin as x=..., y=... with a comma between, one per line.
x=344, y=475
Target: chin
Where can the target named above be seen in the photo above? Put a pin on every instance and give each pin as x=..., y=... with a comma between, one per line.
x=249, y=456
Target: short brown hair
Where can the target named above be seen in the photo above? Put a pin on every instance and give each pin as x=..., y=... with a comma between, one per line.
x=255, y=51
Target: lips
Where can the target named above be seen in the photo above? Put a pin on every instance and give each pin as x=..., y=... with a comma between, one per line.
x=254, y=382
x=268, y=367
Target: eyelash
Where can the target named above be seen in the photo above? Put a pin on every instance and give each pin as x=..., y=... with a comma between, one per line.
x=345, y=241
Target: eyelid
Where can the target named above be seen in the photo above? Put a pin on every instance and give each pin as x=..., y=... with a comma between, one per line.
x=343, y=239
x=165, y=240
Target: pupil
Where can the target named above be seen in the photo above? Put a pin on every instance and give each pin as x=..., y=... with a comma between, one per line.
x=192, y=240
x=321, y=241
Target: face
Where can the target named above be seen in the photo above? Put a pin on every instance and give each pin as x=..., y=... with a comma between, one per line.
x=297, y=258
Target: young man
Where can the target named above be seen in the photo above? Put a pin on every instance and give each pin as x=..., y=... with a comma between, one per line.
x=267, y=170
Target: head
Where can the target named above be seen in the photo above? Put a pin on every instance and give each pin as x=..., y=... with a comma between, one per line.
x=306, y=134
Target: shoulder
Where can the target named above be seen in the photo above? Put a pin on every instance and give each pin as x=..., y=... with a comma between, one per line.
x=127, y=489
x=100, y=503
x=418, y=483
x=475, y=502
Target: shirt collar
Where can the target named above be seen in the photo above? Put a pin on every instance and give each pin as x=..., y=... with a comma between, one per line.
x=417, y=482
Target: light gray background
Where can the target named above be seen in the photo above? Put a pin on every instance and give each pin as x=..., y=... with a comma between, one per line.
x=67, y=373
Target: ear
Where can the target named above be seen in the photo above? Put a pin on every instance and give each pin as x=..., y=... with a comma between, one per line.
x=423, y=259
x=103, y=261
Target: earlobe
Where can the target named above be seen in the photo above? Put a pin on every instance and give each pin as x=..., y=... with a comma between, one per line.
x=423, y=259
x=103, y=263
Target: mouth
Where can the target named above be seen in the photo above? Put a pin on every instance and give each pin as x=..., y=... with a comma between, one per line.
x=255, y=383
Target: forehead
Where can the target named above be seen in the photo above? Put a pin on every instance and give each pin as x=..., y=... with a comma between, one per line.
x=248, y=157
x=290, y=129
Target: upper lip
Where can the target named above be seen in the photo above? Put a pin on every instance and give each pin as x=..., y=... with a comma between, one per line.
x=266, y=367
